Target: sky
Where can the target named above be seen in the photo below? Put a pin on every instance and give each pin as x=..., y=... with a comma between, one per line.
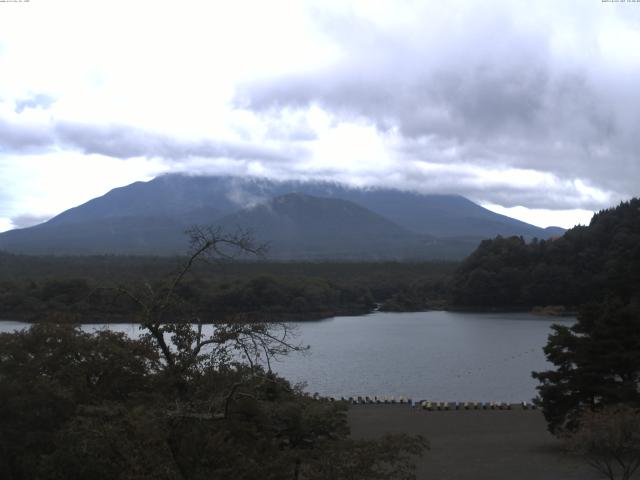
x=528, y=108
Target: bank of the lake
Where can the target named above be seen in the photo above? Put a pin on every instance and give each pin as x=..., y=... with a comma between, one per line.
x=475, y=444
x=204, y=317
x=546, y=310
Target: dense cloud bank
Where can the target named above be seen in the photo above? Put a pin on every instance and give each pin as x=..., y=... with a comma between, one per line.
x=541, y=88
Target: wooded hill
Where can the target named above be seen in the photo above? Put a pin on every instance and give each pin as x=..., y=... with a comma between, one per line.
x=583, y=265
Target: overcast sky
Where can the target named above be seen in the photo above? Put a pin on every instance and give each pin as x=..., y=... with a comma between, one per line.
x=529, y=108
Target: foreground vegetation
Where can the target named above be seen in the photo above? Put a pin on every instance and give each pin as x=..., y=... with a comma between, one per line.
x=75, y=405
x=174, y=404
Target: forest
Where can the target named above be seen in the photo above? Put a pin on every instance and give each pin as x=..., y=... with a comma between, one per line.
x=89, y=289
x=583, y=265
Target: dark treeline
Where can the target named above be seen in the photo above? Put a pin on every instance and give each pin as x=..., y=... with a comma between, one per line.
x=585, y=264
x=90, y=288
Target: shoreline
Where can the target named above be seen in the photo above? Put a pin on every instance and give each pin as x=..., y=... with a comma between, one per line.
x=283, y=317
x=475, y=444
x=542, y=311
x=249, y=317
x=258, y=317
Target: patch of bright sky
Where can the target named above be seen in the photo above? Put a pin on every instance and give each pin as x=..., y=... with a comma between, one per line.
x=5, y=224
x=153, y=64
x=55, y=182
x=543, y=217
x=619, y=43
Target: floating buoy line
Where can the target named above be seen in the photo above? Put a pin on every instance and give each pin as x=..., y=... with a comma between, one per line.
x=427, y=405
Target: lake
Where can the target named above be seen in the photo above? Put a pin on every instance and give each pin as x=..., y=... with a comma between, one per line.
x=440, y=356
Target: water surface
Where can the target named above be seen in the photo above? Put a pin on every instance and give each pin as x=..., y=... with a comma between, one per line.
x=442, y=356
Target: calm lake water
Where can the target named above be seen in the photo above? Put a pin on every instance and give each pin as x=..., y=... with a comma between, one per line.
x=441, y=356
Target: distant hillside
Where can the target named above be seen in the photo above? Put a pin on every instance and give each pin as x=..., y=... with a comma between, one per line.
x=299, y=226
x=302, y=226
x=174, y=195
x=583, y=265
x=149, y=218
x=159, y=235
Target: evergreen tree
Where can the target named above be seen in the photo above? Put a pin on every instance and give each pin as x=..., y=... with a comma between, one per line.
x=584, y=265
x=597, y=363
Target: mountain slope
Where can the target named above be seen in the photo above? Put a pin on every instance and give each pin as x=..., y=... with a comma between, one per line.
x=437, y=215
x=173, y=195
x=158, y=235
x=167, y=196
x=302, y=226
x=149, y=218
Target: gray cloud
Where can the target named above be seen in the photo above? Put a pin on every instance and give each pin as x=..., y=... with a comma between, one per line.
x=23, y=138
x=489, y=88
x=476, y=184
x=291, y=133
x=125, y=142
x=40, y=100
x=28, y=220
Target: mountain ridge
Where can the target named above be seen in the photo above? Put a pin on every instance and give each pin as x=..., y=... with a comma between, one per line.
x=153, y=215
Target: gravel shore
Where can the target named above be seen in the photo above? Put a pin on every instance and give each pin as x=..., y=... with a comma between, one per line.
x=475, y=444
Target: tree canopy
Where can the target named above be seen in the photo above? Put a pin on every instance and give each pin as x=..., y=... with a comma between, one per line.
x=175, y=403
x=584, y=264
x=597, y=360
x=597, y=363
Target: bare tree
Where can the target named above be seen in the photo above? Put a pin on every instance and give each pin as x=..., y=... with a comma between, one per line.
x=182, y=341
x=609, y=441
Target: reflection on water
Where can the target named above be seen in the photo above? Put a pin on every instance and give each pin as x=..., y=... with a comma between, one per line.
x=435, y=355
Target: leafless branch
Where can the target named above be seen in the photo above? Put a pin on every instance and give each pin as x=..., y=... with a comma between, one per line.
x=187, y=343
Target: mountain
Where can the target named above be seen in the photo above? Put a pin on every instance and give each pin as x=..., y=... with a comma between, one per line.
x=300, y=226
x=143, y=235
x=297, y=225
x=176, y=195
x=551, y=232
x=149, y=218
